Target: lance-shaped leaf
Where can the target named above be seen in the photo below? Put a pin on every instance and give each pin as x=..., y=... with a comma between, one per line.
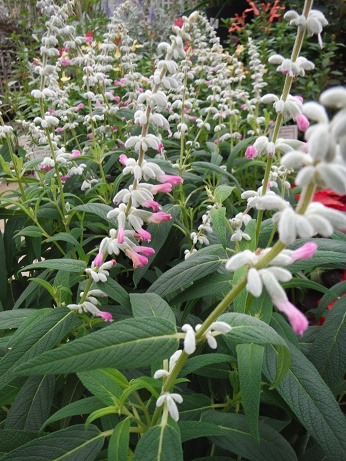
x=311, y=401
x=80, y=407
x=119, y=442
x=14, y=318
x=184, y=274
x=160, y=443
x=125, y=344
x=247, y=330
x=31, y=407
x=250, y=359
x=101, y=384
x=231, y=432
x=38, y=333
x=72, y=444
x=328, y=350
x=218, y=217
x=12, y=439
x=151, y=305
x=70, y=265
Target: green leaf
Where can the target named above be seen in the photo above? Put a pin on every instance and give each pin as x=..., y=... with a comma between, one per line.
x=280, y=325
x=262, y=307
x=14, y=318
x=336, y=291
x=44, y=284
x=206, y=166
x=125, y=344
x=222, y=192
x=151, y=305
x=250, y=359
x=237, y=438
x=81, y=407
x=29, y=290
x=30, y=231
x=328, y=349
x=101, y=384
x=32, y=404
x=241, y=146
x=218, y=217
x=71, y=444
x=160, y=443
x=115, y=291
x=250, y=229
x=195, y=429
x=184, y=274
x=41, y=331
x=119, y=442
x=65, y=237
x=98, y=209
x=330, y=254
x=70, y=265
x=240, y=301
x=315, y=454
x=311, y=401
x=200, y=361
x=247, y=329
x=214, y=284
x=193, y=406
x=10, y=439
x=3, y=275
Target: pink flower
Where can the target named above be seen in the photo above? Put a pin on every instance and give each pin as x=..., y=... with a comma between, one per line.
x=44, y=167
x=144, y=234
x=174, y=180
x=64, y=177
x=304, y=252
x=136, y=258
x=296, y=318
x=89, y=37
x=66, y=62
x=156, y=218
x=107, y=317
x=98, y=103
x=300, y=98
x=80, y=106
x=159, y=149
x=302, y=122
x=98, y=261
x=123, y=159
x=59, y=129
x=89, y=136
x=116, y=98
x=243, y=107
x=146, y=251
x=121, y=235
x=151, y=204
x=251, y=152
x=165, y=188
x=75, y=153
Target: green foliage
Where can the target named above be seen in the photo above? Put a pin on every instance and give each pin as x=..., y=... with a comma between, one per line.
x=110, y=348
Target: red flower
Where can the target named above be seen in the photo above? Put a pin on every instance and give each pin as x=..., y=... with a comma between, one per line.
x=89, y=37
x=179, y=22
x=330, y=199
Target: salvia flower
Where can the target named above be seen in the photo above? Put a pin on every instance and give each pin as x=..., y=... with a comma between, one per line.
x=215, y=329
x=171, y=400
x=172, y=361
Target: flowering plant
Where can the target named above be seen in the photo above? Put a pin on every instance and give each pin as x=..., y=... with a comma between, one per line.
x=149, y=246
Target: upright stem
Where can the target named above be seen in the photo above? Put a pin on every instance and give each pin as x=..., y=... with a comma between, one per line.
x=279, y=118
